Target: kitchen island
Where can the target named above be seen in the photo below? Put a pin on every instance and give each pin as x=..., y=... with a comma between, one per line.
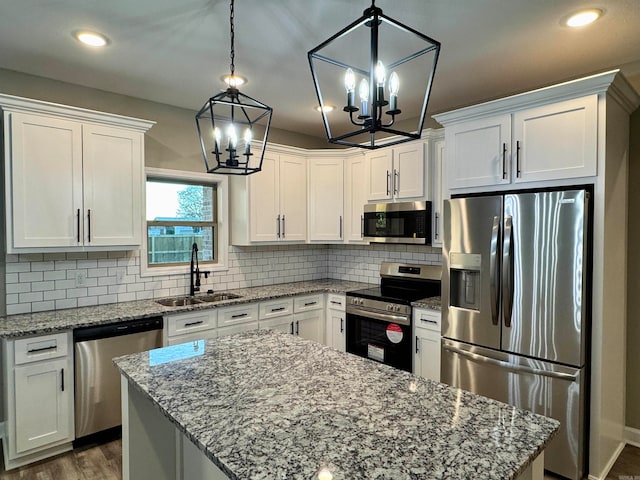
x=267, y=405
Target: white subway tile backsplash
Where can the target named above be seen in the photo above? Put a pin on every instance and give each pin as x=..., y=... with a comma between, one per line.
x=59, y=280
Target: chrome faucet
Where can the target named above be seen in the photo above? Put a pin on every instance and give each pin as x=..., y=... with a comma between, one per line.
x=194, y=272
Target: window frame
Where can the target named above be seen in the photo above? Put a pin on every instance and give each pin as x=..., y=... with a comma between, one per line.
x=221, y=183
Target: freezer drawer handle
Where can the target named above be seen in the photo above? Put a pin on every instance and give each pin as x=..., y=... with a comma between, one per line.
x=509, y=366
x=493, y=269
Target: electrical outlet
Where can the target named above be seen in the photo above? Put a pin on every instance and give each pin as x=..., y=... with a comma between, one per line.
x=81, y=279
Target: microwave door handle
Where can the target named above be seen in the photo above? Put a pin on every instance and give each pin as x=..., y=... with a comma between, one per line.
x=507, y=271
x=493, y=269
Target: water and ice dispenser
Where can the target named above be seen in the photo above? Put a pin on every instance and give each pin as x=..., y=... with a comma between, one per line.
x=464, y=274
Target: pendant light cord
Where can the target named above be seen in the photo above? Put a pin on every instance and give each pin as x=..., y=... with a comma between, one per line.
x=233, y=33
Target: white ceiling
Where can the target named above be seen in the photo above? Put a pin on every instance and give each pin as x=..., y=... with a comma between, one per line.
x=175, y=51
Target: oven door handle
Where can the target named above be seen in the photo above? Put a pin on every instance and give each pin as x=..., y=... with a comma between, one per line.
x=385, y=317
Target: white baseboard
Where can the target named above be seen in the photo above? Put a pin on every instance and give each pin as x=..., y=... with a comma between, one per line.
x=609, y=464
x=632, y=436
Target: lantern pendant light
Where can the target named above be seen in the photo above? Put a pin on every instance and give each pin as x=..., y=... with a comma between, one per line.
x=362, y=54
x=229, y=122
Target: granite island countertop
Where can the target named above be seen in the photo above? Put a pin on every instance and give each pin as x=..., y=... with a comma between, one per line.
x=266, y=405
x=61, y=320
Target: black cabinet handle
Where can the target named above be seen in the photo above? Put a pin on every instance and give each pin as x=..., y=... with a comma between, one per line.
x=504, y=161
x=388, y=178
x=428, y=320
x=336, y=303
x=89, y=225
x=361, y=226
x=436, y=229
x=308, y=304
x=417, y=343
x=240, y=315
x=78, y=224
x=283, y=227
x=62, y=379
x=278, y=225
x=291, y=325
x=43, y=349
x=191, y=324
x=341, y=325
x=340, y=226
x=297, y=327
x=518, y=158
x=279, y=309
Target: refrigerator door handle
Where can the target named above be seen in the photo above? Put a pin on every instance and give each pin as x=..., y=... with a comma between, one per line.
x=493, y=269
x=474, y=357
x=507, y=271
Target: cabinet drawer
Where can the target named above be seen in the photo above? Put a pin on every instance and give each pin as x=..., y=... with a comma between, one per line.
x=336, y=302
x=308, y=302
x=235, y=315
x=192, y=337
x=427, y=319
x=44, y=347
x=190, y=322
x=276, y=308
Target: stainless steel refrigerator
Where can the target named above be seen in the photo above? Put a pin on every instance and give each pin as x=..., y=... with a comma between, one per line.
x=515, y=289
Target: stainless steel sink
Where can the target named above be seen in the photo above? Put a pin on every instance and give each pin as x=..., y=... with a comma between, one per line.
x=178, y=301
x=218, y=297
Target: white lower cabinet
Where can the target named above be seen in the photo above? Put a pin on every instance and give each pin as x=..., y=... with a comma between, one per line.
x=426, y=359
x=190, y=326
x=277, y=315
x=308, y=317
x=237, y=319
x=336, y=322
x=37, y=397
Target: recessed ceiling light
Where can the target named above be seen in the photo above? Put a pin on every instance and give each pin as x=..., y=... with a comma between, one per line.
x=584, y=17
x=325, y=108
x=93, y=39
x=233, y=80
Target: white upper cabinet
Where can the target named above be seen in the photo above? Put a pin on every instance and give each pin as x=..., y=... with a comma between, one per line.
x=397, y=173
x=437, y=178
x=546, y=136
x=271, y=205
x=326, y=186
x=355, y=196
x=85, y=167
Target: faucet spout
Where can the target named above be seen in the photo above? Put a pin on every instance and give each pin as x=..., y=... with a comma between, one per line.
x=194, y=271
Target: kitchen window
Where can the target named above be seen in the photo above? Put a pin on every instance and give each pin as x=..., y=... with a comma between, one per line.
x=183, y=208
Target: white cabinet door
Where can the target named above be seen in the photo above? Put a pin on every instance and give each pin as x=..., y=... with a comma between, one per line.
x=336, y=331
x=408, y=171
x=437, y=179
x=112, y=165
x=43, y=404
x=280, y=324
x=380, y=173
x=326, y=186
x=45, y=160
x=427, y=354
x=264, y=204
x=310, y=325
x=556, y=141
x=355, y=197
x=293, y=198
x=478, y=152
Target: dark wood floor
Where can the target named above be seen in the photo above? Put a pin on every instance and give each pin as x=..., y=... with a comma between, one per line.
x=103, y=462
x=93, y=462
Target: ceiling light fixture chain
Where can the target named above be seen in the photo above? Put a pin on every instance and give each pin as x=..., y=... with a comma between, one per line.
x=233, y=37
x=226, y=115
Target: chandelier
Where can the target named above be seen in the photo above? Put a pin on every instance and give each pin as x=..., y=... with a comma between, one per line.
x=378, y=55
x=229, y=122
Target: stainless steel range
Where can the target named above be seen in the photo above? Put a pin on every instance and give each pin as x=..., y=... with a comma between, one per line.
x=379, y=324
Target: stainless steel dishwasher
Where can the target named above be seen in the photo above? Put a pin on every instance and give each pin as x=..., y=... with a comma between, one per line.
x=97, y=381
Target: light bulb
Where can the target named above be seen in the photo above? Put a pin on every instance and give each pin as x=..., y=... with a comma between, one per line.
x=217, y=135
x=349, y=80
x=380, y=74
x=363, y=90
x=231, y=136
x=583, y=18
x=394, y=83
x=247, y=141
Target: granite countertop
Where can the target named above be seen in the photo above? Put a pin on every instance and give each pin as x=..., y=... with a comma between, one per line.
x=430, y=303
x=61, y=320
x=266, y=405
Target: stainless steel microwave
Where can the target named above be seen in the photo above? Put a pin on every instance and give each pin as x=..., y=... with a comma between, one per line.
x=406, y=222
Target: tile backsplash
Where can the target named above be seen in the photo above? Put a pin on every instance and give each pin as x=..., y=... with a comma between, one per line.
x=39, y=282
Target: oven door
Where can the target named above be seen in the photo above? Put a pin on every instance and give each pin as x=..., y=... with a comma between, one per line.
x=385, y=338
